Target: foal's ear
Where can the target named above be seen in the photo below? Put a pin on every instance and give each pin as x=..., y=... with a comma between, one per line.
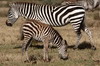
x=64, y=42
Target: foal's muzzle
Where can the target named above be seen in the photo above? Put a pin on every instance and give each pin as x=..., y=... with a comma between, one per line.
x=64, y=58
x=8, y=24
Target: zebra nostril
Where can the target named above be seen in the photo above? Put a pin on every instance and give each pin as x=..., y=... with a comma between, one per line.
x=8, y=24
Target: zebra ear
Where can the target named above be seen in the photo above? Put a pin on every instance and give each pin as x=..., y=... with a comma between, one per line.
x=11, y=4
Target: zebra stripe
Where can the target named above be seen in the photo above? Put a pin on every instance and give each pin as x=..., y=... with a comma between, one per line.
x=33, y=29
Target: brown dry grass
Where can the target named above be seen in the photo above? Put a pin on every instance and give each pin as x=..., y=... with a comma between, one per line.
x=93, y=18
x=10, y=50
x=10, y=45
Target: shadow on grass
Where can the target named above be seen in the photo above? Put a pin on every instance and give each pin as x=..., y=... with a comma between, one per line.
x=17, y=47
x=34, y=46
x=41, y=46
x=83, y=45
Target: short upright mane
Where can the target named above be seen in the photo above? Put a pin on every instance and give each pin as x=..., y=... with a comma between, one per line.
x=23, y=2
x=18, y=3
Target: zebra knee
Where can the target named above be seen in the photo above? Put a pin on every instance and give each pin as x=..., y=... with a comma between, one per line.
x=88, y=31
x=78, y=32
x=23, y=48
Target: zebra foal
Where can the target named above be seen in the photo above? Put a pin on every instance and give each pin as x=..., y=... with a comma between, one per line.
x=33, y=29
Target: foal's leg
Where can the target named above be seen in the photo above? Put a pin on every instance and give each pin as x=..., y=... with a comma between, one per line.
x=45, y=49
x=26, y=44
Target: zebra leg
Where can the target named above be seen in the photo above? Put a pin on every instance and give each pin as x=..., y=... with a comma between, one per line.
x=79, y=35
x=26, y=44
x=77, y=28
x=88, y=32
x=45, y=49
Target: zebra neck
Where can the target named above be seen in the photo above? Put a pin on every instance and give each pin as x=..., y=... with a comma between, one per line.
x=57, y=40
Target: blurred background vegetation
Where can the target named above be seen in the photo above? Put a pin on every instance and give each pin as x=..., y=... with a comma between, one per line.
x=4, y=4
x=50, y=2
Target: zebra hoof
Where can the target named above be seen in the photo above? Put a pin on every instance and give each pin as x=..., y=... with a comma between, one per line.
x=93, y=48
x=26, y=61
x=46, y=60
x=75, y=48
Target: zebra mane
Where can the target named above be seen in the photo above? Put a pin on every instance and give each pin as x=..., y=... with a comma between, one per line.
x=12, y=4
x=19, y=3
x=58, y=33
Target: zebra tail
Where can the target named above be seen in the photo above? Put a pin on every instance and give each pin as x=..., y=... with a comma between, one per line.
x=21, y=34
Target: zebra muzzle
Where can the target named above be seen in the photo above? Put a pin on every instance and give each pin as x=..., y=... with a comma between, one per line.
x=8, y=24
x=63, y=57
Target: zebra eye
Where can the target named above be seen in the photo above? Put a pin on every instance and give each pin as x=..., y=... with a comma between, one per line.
x=8, y=12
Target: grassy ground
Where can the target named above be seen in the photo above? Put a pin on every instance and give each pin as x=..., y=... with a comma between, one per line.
x=10, y=45
x=10, y=48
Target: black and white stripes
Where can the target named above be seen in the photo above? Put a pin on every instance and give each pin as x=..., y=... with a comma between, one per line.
x=52, y=15
x=33, y=29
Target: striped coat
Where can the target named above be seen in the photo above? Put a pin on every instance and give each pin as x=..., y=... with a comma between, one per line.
x=33, y=29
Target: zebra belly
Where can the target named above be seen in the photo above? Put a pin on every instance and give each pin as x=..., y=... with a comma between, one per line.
x=37, y=38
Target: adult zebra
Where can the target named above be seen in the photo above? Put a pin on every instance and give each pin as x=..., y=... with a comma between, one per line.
x=52, y=15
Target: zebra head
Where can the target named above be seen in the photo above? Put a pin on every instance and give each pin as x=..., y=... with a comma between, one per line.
x=63, y=50
x=12, y=15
